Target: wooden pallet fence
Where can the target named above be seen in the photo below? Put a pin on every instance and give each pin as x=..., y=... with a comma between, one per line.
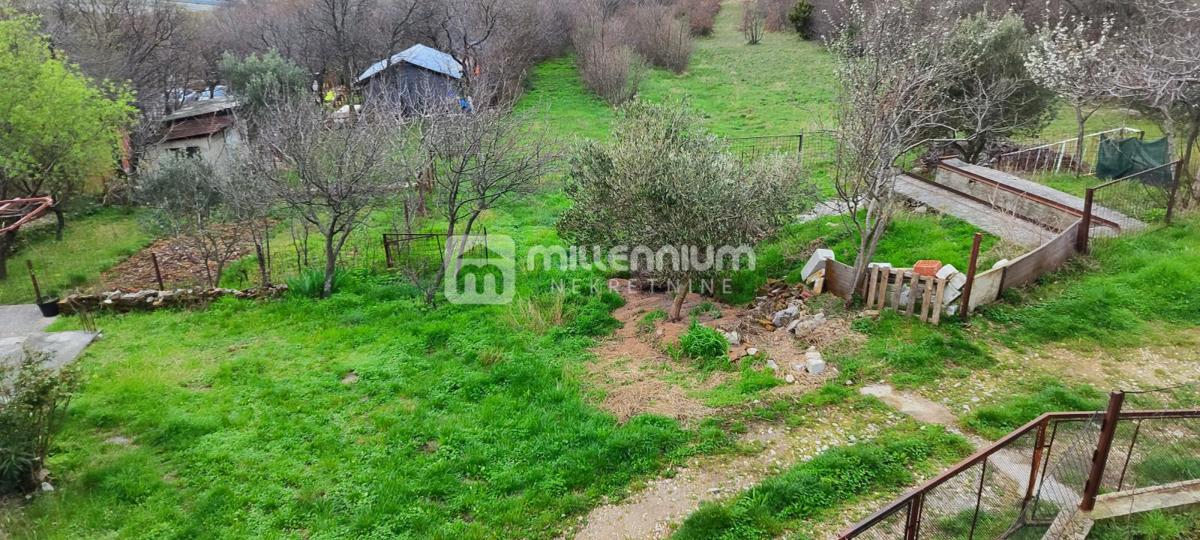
x=885, y=287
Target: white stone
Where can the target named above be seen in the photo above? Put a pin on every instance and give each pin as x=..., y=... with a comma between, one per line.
x=790, y=378
x=813, y=362
x=733, y=337
x=771, y=365
x=47, y=487
x=1000, y=263
x=816, y=262
x=751, y=351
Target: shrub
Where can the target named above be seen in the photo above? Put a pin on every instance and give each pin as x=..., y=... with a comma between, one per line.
x=33, y=401
x=701, y=15
x=311, y=283
x=705, y=345
x=656, y=35
x=613, y=72
x=801, y=18
x=754, y=18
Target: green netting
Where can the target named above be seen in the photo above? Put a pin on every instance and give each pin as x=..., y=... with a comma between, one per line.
x=1123, y=157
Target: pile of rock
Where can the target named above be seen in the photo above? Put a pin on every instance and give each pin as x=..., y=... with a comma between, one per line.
x=149, y=299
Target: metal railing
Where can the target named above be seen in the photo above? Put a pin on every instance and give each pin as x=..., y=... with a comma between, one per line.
x=1055, y=157
x=1040, y=475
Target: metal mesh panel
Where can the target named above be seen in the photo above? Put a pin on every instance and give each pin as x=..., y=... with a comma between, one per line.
x=890, y=527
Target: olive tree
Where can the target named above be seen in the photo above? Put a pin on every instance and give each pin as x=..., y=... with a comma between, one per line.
x=992, y=95
x=666, y=186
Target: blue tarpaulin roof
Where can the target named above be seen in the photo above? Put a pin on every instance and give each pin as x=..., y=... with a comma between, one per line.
x=418, y=55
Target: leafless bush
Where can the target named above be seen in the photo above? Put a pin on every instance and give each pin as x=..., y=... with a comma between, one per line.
x=700, y=14
x=658, y=36
x=777, y=15
x=754, y=17
x=607, y=63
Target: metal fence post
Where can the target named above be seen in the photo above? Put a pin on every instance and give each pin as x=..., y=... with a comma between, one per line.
x=157, y=271
x=912, y=525
x=1085, y=223
x=1039, y=445
x=964, y=310
x=1108, y=429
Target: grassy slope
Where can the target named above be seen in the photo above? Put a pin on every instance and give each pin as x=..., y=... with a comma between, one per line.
x=91, y=245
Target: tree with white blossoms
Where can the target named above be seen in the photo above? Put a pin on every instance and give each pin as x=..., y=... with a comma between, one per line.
x=1159, y=73
x=1075, y=57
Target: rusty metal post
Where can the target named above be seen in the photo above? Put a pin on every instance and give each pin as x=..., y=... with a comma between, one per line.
x=912, y=525
x=1039, y=445
x=37, y=291
x=157, y=271
x=1085, y=223
x=964, y=311
x=1108, y=429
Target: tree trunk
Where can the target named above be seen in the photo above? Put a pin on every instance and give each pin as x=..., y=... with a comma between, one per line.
x=1080, y=133
x=330, y=266
x=263, y=276
x=1193, y=193
x=680, y=296
x=61, y=222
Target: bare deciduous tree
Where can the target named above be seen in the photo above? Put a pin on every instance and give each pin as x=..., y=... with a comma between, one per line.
x=331, y=173
x=190, y=201
x=754, y=19
x=889, y=98
x=479, y=161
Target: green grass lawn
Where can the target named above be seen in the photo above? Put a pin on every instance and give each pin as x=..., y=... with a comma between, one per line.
x=460, y=423
x=90, y=245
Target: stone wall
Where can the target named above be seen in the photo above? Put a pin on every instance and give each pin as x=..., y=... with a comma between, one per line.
x=149, y=299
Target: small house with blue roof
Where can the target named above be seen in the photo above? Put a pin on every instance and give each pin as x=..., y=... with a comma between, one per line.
x=417, y=79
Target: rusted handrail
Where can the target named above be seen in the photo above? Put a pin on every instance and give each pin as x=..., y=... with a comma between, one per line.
x=983, y=454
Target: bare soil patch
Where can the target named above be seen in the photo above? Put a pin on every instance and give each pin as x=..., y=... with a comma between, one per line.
x=637, y=376
x=180, y=265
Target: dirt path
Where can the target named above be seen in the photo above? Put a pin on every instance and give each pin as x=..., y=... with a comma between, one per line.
x=657, y=509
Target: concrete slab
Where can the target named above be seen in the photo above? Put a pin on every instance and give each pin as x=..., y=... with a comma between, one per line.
x=996, y=222
x=21, y=320
x=913, y=405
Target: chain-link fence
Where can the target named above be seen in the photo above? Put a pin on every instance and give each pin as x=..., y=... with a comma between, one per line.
x=1139, y=200
x=1035, y=480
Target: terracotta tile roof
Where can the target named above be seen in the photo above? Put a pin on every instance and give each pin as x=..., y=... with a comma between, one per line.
x=198, y=127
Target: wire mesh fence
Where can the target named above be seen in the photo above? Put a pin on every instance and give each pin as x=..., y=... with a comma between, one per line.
x=1145, y=198
x=816, y=150
x=1035, y=481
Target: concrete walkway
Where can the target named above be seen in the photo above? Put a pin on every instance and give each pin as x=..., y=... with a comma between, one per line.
x=997, y=222
x=22, y=329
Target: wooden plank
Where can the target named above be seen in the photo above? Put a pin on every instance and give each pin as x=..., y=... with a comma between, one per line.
x=938, y=300
x=819, y=284
x=926, y=297
x=912, y=294
x=896, y=294
x=872, y=283
x=883, y=287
